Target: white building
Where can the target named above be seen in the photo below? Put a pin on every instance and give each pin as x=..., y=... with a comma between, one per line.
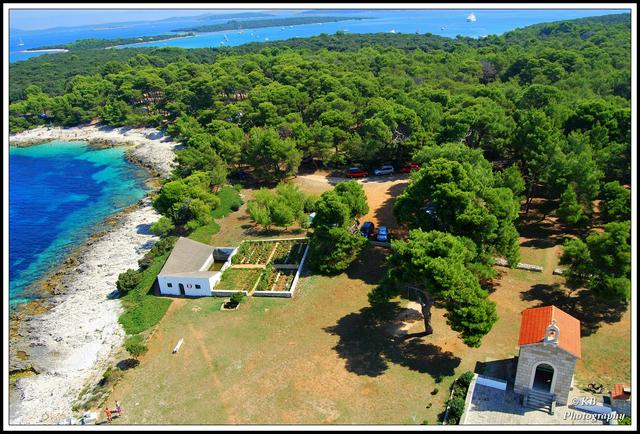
x=187, y=270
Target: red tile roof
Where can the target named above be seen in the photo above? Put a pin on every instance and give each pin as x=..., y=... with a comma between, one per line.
x=534, y=324
x=618, y=391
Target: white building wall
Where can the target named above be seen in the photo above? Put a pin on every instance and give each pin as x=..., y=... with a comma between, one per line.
x=189, y=283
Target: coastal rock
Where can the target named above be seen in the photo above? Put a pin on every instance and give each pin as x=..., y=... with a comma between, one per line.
x=73, y=342
x=150, y=147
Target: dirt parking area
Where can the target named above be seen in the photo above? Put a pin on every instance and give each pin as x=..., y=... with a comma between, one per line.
x=381, y=193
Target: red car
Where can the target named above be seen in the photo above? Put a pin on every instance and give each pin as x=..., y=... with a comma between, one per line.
x=356, y=172
x=409, y=167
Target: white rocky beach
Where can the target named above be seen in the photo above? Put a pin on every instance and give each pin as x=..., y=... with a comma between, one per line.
x=150, y=147
x=71, y=344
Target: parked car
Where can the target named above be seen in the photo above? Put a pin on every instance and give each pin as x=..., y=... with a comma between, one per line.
x=409, y=167
x=356, y=172
x=367, y=229
x=383, y=236
x=387, y=169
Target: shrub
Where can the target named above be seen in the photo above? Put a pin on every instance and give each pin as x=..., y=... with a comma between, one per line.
x=128, y=281
x=135, y=347
x=456, y=408
x=237, y=297
x=465, y=380
x=161, y=247
x=162, y=227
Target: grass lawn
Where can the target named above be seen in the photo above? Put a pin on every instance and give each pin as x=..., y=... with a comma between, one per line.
x=321, y=357
x=142, y=309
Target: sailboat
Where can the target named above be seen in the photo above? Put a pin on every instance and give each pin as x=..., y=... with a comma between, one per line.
x=392, y=31
x=471, y=18
x=226, y=38
x=20, y=42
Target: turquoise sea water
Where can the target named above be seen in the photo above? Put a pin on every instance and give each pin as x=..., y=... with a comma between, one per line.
x=444, y=22
x=59, y=193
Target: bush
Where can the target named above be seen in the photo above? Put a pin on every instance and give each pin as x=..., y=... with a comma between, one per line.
x=162, y=227
x=128, y=281
x=456, y=408
x=135, y=346
x=161, y=247
x=237, y=297
x=465, y=380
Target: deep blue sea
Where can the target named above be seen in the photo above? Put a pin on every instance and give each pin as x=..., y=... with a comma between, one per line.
x=58, y=193
x=437, y=21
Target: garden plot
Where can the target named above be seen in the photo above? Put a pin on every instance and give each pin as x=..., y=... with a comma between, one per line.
x=253, y=252
x=289, y=252
x=238, y=279
x=274, y=279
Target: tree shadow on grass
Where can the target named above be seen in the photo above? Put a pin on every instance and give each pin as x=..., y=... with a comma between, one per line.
x=369, y=266
x=581, y=304
x=125, y=364
x=384, y=213
x=369, y=347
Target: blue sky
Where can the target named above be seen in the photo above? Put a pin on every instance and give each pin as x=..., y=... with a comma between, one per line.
x=32, y=19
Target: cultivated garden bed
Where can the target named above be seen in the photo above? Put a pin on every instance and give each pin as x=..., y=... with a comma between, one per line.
x=253, y=252
x=238, y=279
x=273, y=279
x=289, y=252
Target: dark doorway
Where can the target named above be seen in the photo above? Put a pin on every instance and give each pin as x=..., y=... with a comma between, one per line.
x=543, y=378
x=181, y=286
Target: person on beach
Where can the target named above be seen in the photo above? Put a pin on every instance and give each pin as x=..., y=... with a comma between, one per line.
x=118, y=409
x=108, y=413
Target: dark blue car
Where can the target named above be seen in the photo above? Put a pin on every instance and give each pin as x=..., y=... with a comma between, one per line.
x=383, y=236
x=367, y=229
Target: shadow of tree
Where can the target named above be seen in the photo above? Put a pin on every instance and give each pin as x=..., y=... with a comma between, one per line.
x=125, y=364
x=384, y=213
x=369, y=266
x=581, y=304
x=369, y=347
x=144, y=228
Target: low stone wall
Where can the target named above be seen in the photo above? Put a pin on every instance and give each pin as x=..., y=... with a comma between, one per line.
x=226, y=293
x=285, y=294
x=528, y=267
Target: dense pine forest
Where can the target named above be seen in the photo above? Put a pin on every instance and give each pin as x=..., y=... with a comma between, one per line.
x=539, y=112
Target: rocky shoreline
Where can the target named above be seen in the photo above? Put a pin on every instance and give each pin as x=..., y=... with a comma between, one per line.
x=70, y=335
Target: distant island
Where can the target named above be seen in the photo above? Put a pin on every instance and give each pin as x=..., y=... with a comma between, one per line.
x=97, y=43
x=269, y=22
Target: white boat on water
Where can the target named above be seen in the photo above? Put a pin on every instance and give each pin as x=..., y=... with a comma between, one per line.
x=443, y=28
x=392, y=31
x=471, y=18
x=20, y=43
